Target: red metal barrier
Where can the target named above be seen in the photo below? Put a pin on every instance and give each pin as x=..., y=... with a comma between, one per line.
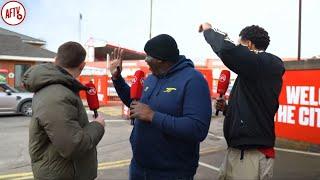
x=207, y=73
x=107, y=94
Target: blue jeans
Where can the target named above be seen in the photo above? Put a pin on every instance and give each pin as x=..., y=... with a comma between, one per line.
x=140, y=174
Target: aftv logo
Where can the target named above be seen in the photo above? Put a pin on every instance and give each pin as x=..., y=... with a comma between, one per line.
x=13, y=13
x=92, y=91
x=222, y=78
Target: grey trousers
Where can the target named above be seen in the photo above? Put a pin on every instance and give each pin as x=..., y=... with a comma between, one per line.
x=253, y=166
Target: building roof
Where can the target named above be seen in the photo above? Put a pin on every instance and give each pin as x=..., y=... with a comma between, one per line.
x=14, y=46
x=24, y=38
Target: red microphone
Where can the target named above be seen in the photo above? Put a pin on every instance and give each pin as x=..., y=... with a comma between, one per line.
x=136, y=87
x=223, y=84
x=92, y=98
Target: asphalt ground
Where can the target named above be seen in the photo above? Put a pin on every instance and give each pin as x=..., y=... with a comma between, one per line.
x=114, y=152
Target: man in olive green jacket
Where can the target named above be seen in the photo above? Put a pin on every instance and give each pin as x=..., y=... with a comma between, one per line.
x=62, y=142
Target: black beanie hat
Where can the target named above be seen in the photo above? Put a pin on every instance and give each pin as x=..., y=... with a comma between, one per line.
x=162, y=47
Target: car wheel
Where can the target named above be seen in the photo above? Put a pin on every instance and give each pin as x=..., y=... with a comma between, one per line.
x=26, y=108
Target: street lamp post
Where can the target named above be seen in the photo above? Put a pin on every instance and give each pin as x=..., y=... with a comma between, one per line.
x=150, y=30
x=299, y=32
x=79, y=30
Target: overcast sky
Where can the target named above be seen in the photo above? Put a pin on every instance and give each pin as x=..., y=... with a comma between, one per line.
x=126, y=22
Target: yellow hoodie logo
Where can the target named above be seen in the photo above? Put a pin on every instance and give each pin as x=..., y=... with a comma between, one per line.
x=169, y=90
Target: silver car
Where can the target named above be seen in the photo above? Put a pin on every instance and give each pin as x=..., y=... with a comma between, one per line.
x=14, y=101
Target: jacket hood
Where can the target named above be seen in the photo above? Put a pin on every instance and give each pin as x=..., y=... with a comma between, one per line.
x=182, y=63
x=40, y=76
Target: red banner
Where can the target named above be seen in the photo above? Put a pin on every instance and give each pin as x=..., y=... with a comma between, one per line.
x=298, y=116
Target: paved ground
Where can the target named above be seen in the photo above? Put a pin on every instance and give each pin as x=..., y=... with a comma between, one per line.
x=114, y=152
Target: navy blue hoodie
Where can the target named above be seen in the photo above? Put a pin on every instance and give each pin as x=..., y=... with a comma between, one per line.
x=169, y=145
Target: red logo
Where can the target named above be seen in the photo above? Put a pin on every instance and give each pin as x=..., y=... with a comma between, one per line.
x=222, y=78
x=13, y=13
x=134, y=80
x=92, y=91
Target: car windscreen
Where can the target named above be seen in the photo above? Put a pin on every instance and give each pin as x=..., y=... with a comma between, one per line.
x=6, y=86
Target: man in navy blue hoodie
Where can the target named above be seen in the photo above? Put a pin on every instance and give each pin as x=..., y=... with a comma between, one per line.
x=172, y=117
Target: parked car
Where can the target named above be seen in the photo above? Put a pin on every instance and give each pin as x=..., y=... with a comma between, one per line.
x=15, y=101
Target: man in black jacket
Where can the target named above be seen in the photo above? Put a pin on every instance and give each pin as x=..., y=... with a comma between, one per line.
x=249, y=121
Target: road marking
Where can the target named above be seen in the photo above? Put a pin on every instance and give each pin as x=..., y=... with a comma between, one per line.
x=278, y=149
x=114, y=162
x=126, y=162
x=219, y=137
x=114, y=166
x=210, y=150
x=116, y=120
x=298, y=152
x=23, y=178
x=208, y=166
x=15, y=175
x=101, y=166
